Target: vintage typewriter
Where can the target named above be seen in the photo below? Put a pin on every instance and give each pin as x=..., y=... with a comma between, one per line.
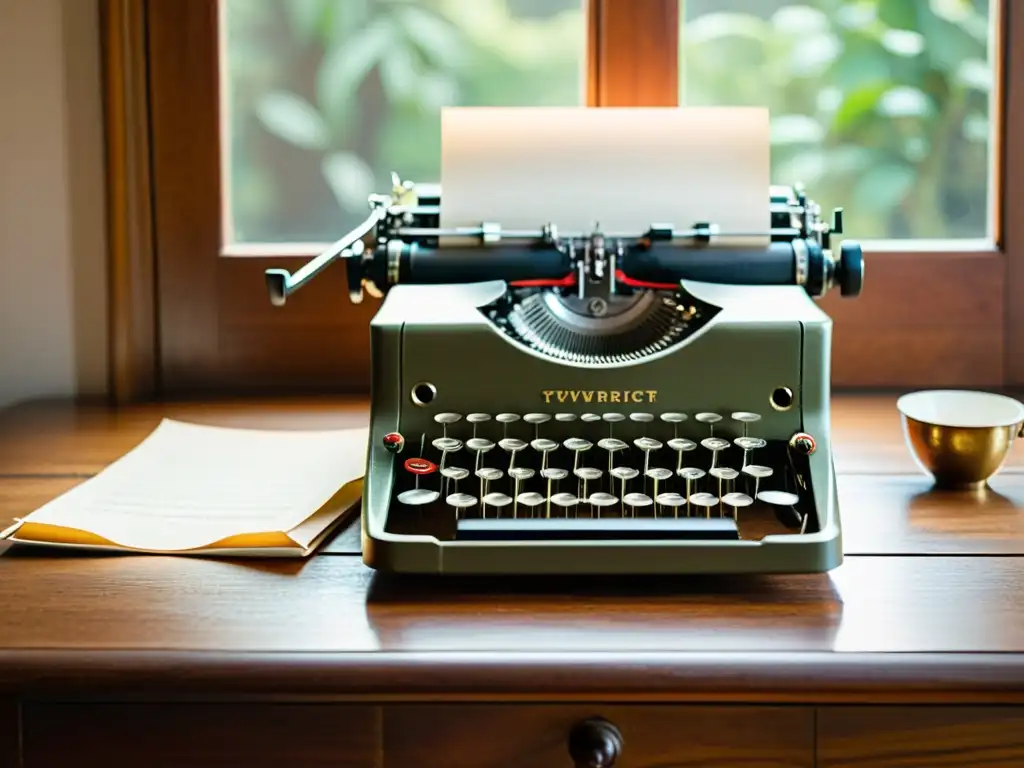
x=549, y=402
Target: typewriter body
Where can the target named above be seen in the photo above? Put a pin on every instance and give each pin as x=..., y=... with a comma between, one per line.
x=549, y=402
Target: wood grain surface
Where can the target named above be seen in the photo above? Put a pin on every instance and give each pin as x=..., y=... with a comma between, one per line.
x=929, y=599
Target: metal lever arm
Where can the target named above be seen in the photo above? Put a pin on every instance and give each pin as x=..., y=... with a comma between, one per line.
x=281, y=283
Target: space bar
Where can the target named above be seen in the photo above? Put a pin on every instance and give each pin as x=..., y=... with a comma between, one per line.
x=596, y=529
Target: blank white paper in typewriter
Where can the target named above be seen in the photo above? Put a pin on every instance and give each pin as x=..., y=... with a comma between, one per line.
x=622, y=168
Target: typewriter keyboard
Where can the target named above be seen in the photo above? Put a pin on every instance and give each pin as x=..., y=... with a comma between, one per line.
x=628, y=466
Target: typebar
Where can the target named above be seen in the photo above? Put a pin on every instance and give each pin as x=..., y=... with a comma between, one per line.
x=602, y=529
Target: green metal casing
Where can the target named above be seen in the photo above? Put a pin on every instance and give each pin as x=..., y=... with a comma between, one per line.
x=762, y=338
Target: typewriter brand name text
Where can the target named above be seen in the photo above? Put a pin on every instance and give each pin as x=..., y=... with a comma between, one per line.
x=599, y=395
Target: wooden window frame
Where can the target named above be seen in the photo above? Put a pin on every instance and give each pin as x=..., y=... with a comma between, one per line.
x=186, y=319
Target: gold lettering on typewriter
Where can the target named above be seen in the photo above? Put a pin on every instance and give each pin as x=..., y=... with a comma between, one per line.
x=599, y=395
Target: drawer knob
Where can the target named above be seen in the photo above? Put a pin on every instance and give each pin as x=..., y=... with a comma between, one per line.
x=595, y=743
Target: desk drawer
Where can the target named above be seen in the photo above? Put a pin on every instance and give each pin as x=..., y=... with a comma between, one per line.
x=200, y=735
x=537, y=735
x=920, y=737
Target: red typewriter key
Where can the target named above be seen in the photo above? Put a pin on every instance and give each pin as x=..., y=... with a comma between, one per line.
x=394, y=442
x=420, y=466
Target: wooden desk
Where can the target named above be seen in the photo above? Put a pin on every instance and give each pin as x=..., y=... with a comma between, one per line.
x=910, y=654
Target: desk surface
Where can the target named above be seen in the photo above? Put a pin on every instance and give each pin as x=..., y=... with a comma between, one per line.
x=928, y=604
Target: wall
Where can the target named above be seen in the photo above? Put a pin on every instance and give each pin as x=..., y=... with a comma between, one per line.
x=53, y=327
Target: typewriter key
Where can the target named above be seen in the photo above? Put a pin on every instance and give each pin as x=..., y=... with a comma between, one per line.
x=585, y=474
x=416, y=496
x=518, y=474
x=564, y=500
x=447, y=444
x=706, y=500
x=737, y=500
x=680, y=445
x=444, y=419
x=749, y=444
x=690, y=474
x=537, y=419
x=577, y=445
x=710, y=419
x=505, y=419
x=590, y=418
x=784, y=499
x=479, y=446
x=612, y=419
x=454, y=474
x=675, y=419
x=642, y=418
x=497, y=500
x=647, y=444
x=545, y=447
x=715, y=445
x=623, y=474
x=758, y=472
x=460, y=501
x=723, y=473
x=565, y=417
x=611, y=445
x=511, y=445
x=657, y=474
x=636, y=500
x=477, y=418
x=530, y=499
x=486, y=475
x=746, y=418
x=553, y=474
x=601, y=500
x=671, y=500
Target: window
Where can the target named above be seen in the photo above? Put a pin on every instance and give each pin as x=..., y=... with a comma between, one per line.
x=260, y=126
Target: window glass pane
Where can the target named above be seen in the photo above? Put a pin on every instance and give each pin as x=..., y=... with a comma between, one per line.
x=880, y=106
x=322, y=99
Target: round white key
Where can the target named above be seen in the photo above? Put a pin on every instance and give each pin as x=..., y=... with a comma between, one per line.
x=507, y=418
x=750, y=443
x=647, y=444
x=418, y=496
x=489, y=474
x=578, y=444
x=704, y=499
x=455, y=473
x=691, y=473
x=481, y=444
x=673, y=417
x=478, y=418
x=590, y=417
x=708, y=418
x=611, y=444
x=601, y=499
x=737, y=500
x=746, y=417
x=659, y=474
x=643, y=418
x=554, y=473
x=461, y=500
x=724, y=473
x=511, y=444
x=588, y=473
x=520, y=473
x=671, y=499
x=681, y=444
x=758, y=471
x=537, y=418
x=497, y=499
x=564, y=417
x=530, y=499
x=779, y=498
x=447, y=418
x=637, y=500
x=543, y=445
x=613, y=418
x=564, y=500
x=623, y=473
x=447, y=444
x=715, y=443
